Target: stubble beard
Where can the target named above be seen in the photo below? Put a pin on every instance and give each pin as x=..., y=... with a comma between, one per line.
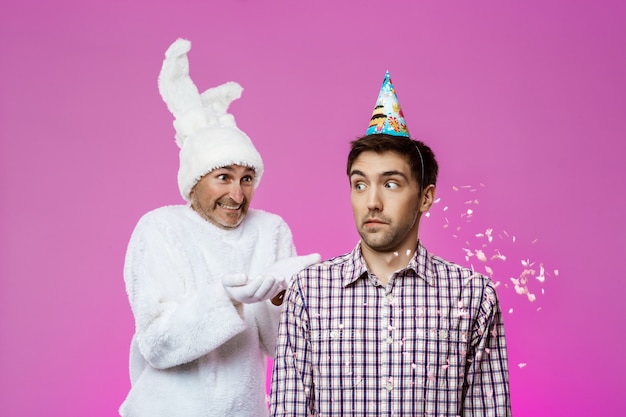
x=212, y=218
x=390, y=240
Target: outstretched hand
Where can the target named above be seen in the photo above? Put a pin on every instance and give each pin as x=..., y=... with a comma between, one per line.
x=271, y=283
x=258, y=289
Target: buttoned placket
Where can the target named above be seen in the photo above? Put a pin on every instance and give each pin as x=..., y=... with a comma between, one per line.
x=389, y=347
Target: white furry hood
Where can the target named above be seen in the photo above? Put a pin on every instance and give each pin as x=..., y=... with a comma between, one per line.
x=206, y=133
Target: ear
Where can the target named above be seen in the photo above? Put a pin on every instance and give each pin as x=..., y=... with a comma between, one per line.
x=427, y=198
x=192, y=194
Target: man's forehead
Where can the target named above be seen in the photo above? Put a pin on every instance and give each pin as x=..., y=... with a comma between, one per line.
x=379, y=163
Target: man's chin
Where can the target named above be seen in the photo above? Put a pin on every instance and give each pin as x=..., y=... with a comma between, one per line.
x=228, y=223
x=232, y=225
x=376, y=243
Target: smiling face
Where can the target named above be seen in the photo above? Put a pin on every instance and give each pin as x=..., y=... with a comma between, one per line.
x=223, y=196
x=386, y=202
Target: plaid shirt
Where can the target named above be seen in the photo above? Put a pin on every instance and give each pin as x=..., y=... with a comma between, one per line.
x=430, y=343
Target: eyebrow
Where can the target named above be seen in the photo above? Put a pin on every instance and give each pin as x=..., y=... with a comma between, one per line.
x=383, y=174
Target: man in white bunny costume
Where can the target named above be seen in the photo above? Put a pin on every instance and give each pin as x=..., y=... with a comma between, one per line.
x=199, y=276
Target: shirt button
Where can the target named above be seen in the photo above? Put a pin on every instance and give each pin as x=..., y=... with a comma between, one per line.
x=389, y=386
x=389, y=340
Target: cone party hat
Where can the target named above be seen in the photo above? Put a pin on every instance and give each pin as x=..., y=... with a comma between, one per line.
x=387, y=116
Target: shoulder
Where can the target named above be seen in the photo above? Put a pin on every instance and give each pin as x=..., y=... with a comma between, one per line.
x=164, y=212
x=333, y=270
x=262, y=216
x=164, y=218
x=454, y=271
x=266, y=221
x=473, y=284
x=337, y=261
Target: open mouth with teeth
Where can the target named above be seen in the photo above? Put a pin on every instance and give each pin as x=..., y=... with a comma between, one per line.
x=229, y=207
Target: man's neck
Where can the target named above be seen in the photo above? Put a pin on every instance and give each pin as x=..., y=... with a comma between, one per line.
x=385, y=264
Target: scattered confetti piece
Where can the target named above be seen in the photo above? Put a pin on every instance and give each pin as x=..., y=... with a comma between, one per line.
x=541, y=277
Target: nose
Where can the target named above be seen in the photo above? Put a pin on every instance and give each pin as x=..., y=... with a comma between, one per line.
x=236, y=193
x=373, y=199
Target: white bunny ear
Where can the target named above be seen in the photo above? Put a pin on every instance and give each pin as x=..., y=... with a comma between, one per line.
x=176, y=88
x=217, y=99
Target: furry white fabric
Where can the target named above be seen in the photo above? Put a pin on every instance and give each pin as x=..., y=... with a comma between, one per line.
x=206, y=133
x=193, y=353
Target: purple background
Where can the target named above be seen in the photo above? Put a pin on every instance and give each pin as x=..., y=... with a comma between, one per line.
x=523, y=102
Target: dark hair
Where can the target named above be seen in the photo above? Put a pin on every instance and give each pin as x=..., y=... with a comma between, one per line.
x=404, y=146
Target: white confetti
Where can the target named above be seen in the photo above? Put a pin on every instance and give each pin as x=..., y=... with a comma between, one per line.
x=541, y=277
x=499, y=256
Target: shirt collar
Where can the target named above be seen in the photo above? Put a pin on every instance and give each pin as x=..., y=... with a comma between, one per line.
x=357, y=264
x=421, y=264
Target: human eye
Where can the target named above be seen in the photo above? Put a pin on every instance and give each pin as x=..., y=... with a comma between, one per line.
x=247, y=178
x=359, y=186
x=222, y=177
x=392, y=185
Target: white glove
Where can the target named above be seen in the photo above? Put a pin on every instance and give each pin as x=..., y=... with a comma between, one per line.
x=269, y=283
x=284, y=269
x=258, y=289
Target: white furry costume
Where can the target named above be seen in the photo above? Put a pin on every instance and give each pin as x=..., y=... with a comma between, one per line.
x=196, y=352
x=192, y=354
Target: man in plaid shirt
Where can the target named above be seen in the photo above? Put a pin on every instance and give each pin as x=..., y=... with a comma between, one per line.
x=390, y=329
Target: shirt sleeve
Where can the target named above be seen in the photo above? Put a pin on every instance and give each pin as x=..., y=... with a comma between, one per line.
x=180, y=315
x=292, y=390
x=487, y=381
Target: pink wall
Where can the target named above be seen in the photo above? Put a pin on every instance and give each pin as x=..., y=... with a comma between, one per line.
x=523, y=102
